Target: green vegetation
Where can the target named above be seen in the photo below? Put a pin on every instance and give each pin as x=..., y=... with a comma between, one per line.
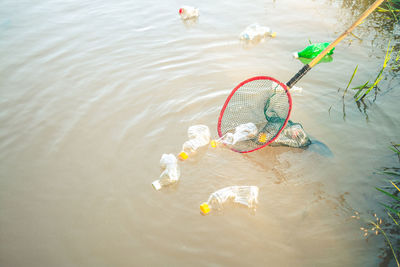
x=364, y=89
x=392, y=206
x=383, y=21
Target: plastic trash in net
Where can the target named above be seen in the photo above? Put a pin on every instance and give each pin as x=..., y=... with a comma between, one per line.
x=293, y=135
x=199, y=136
x=245, y=195
x=170, y=174
x=241, y=132
x=256, y=32
x=188, y=12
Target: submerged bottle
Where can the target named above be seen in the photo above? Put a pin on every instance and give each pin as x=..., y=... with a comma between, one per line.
x=245, y=195
x=170, y=174
x=255, y=31
x=242, y=132
x=293, y=135
x=313, y=50
x=188, y=12
x=199, y=135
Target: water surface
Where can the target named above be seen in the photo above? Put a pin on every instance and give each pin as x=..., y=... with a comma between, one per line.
x=92, y=93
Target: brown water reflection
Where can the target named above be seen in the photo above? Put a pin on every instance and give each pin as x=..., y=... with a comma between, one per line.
x=93, y=93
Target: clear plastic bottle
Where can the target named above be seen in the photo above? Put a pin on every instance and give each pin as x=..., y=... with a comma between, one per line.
x=188, y=12
x=199, y=135
x=242, y=132
x=171, y=172
x=313, y=50
x=245, y=195
x=255, y=31
x=295, y=90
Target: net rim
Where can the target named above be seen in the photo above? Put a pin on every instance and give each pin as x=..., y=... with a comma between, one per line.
x=221, y=114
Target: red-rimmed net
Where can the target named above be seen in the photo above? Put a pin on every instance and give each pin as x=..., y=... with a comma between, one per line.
x=261, y=100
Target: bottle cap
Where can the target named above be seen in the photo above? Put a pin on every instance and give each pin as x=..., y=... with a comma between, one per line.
x=273, y=35
x=180, y=10
x=204, y=208
x=156, y=185
x=262, y=138
x=183, y=155
x=213, y=143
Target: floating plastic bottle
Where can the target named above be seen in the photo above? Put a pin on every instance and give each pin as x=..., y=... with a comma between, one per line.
x=245, y=195
x=295, y=90
x=255, y=31
x=313, y=50
x=188, y=12
x=199, y=135
x=171, y=172
x=242, y=132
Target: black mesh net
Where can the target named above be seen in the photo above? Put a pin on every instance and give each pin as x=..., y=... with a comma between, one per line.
x=263, y=101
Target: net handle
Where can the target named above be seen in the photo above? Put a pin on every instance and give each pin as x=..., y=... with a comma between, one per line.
x=314, y=62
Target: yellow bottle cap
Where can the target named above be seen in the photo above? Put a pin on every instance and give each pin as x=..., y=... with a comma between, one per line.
x=183, y=155
x=213, y=143
x=273, y=35
x=262, y=138
x=204, y=208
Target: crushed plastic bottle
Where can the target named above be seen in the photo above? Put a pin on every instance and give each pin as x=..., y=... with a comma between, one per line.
x=313, y=50
x=255, y=31
x=199, y=135
x=171, y=172
x=293, y=135
x=245, y=195
x=188, y=12
x=242, y=132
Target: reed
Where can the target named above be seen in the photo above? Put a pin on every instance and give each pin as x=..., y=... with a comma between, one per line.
x=365, y=88
x=393, y=207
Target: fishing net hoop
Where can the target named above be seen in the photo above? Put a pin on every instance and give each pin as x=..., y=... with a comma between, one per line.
x=238, y=87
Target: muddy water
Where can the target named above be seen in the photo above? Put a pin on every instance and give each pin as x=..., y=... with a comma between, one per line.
x=92, y=93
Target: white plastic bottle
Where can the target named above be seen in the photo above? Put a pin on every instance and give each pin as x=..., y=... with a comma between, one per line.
x=199, y=135
x=255, y=31
x=188, y=12
x=170, y=174
x=245, y=195
x=242, y=132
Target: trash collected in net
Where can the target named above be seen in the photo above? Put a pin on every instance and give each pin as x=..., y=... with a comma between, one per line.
x=170, y=174
x=245, y=195
x=293, y=135
x=199, y=135
x=255, y=31
x=313, y=50
x=188, y=12
x=242, y=132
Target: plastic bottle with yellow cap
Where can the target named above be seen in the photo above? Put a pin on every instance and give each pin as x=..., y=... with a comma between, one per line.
x=199, y=136
x=245, y=195
x=242, y=132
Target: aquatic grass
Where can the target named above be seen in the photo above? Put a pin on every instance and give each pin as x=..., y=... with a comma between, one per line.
x=365, y=88
x=393, y=207
x=378, y=227
x=392, y=7
x=368, y=87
